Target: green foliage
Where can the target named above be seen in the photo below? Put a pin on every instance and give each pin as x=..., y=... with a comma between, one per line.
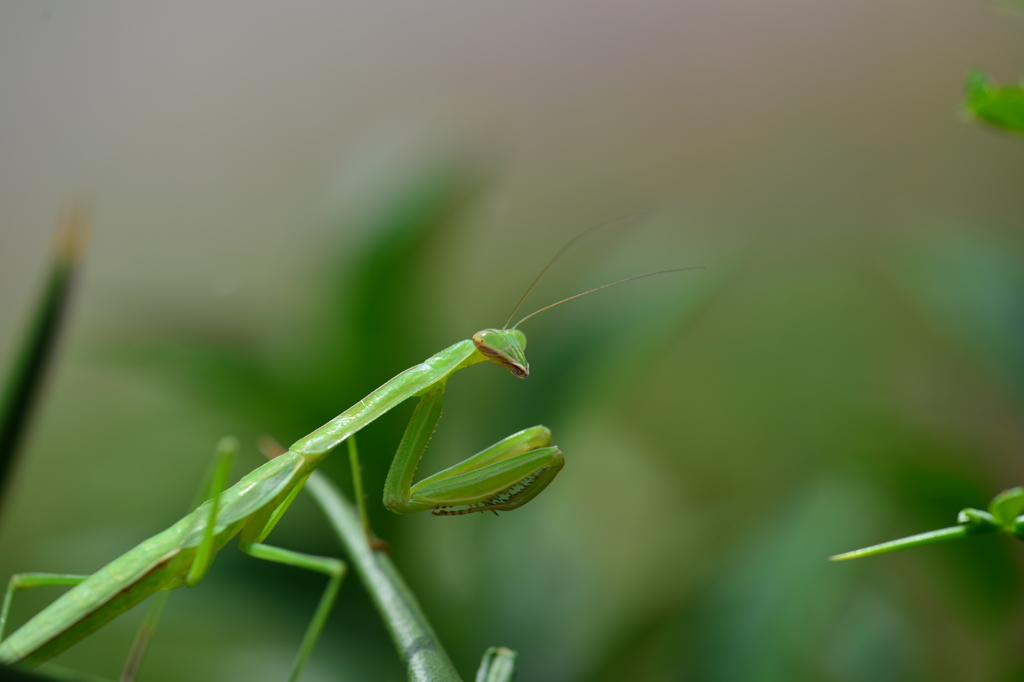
x=498, y=665
x=1001, y=106
x=971, y=283
x=1006, y=507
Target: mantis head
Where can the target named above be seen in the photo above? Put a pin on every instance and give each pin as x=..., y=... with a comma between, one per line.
x=504, y=347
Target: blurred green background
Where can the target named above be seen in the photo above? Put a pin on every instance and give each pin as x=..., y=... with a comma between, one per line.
x=295, y=202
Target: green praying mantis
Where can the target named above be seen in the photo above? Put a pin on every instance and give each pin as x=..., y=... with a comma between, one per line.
x=502, y=477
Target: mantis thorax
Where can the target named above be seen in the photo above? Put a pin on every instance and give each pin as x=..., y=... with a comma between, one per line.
x=504, y=347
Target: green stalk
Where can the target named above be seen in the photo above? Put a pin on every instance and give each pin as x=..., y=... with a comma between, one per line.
x=417, y=644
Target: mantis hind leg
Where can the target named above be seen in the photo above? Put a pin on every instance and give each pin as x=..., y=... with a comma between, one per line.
x=143, y=636
x=331, y=567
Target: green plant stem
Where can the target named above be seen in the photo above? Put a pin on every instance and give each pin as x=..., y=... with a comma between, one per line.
x=417, y=644
x=931, y=537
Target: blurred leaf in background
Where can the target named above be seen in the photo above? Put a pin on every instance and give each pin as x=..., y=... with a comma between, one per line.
x=1001, y=106
x=972, y=285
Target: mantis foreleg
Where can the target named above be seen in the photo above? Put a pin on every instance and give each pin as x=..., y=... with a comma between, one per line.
x=502, y=477
x=397, y=487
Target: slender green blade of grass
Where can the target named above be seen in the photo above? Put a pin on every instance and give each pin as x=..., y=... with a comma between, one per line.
x=24, y=382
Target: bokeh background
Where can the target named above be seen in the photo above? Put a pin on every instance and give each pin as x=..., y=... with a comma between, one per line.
x=295, y=201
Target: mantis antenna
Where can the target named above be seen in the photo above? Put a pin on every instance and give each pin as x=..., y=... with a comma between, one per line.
x=629, y=218
x=605, y=286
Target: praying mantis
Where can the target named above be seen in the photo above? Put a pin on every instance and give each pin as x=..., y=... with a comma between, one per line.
x=502, y=477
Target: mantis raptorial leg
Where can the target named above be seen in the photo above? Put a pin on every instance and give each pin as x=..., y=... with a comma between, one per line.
x=502, y=477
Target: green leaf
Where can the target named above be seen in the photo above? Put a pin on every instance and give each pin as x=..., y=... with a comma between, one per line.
x=998, y=105
x=498, y=665
x=1007, y=506
x=977, y=518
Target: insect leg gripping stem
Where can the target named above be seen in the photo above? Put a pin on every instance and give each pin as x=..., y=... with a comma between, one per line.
x=329, y=566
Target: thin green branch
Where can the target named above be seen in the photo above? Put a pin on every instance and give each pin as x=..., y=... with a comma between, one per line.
x=931, y=537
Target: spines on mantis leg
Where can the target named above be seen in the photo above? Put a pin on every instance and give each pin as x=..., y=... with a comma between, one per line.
x=502, y=486
x=502, y=477
x=409, y=383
